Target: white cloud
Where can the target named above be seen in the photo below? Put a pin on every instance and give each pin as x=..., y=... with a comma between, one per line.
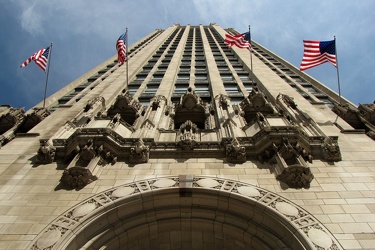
x=31, y=21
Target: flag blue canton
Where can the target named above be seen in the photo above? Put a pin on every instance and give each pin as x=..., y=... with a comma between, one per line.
x=122, y=37
x=247, y=36
x=46, y=52
x=327, y=47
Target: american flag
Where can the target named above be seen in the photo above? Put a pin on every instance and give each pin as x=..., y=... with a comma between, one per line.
x=318, y=52
x=40, y=58
x=240, y=40
x=121, y=48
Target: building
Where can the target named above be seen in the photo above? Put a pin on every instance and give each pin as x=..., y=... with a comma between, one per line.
x=191, y=146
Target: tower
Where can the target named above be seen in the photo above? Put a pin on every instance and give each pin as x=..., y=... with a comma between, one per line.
x=195, y=150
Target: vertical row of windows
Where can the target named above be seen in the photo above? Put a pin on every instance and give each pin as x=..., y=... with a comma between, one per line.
x=306, y=89
x=230, y=84
x=193, y=49
x=201, y=83
x=183, y=75
x=154, y=83
x=238, y=68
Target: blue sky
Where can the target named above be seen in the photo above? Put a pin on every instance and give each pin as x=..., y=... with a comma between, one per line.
x=84, y=33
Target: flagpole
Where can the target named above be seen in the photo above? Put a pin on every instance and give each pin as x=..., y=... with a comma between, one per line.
x=337, y=69
x=127, y=58
x=251, y=57
x=48, y=64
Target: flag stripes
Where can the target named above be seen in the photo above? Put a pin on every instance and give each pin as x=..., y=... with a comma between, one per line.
x=239, y=40
x=318, y=52
x=40, y=58
x=121, y=48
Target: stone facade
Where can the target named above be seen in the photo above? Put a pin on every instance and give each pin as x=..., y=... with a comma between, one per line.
x=193, y=151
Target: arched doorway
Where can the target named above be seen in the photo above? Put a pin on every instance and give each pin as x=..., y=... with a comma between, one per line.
x=186, y=212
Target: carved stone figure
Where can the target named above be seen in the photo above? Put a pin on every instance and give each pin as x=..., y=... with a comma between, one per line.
x=139, y=153
x=187, y=135
x=254, y=103
x=296, y=176
x=331, y=151
x=235, y=152
x=156, y=102
x=77, y=177
x=87, y=152
x=288, y=100
x=46, y=152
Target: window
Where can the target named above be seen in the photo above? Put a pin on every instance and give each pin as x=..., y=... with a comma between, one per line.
x=184, y=85
x=220, y=62
x=200, y=68
x=238, y=68
x=132, y=89
x=157, y=77
x=201, y=77
x=326, y=100
x=179, y=90
x=223, y=68
x=183, y=77
x=140, y=77
x=311, y=89
x=232, y=89
x=185, y=68
x=226, y=77
x=151, y=89
x=244, y=77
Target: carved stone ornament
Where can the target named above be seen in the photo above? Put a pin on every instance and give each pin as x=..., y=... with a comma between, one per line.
x=331, y=151
x=87, y=152
x=115, y=121
x=10, y=117
x=368, y=112
x=190, y=107
x=77, y=177
x=188, y=134
x=235, y=152
x=289, y=101
x=90, y=104
x=223, y=101
x=296, y=176
x=254, y=103
x=156, y=101
x=106, y=155
x=362, y=117
x=238, y=110
x=37, y=115
x=139, y=153
x=289, y=163
x=46, y=152
x=125, y=105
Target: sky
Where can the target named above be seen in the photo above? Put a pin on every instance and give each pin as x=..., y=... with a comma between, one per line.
x=84, y=33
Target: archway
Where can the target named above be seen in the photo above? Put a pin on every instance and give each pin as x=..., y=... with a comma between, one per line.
x=186, y=212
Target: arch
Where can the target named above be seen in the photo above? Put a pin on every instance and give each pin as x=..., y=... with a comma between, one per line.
x=184, y=211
